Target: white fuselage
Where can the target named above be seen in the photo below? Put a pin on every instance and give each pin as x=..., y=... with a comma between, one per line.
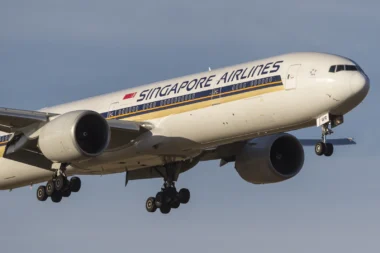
x=205, y=110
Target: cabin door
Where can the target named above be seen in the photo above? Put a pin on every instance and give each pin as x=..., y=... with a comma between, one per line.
x=291, y=78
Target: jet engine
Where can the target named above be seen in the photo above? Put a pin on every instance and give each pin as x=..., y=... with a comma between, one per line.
x=74, y=136
x=270, y=159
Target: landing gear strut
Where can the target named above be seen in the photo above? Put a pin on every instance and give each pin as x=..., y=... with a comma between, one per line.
x=59, y=186
x=168, y=198
x=322, y=147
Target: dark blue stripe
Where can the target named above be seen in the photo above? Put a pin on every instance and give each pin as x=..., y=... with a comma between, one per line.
x=4, y=138
x=192, y=98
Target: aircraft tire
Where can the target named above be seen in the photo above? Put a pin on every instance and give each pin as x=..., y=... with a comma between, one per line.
x=165, y=208
x=66, y=193
x=50, y=188
x=160, y=198
x=184, y=196
x=41, y=193
x=56, y=197
x=175, y=203
x=320, y=148
x=329, y=149
x=150, y=205
x=59, y=183
x=75, y=184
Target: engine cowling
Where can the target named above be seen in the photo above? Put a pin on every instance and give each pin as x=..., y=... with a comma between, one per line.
x=270, y=159
x=74, y=136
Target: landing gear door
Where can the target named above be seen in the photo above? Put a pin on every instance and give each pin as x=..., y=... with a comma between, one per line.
x=291, y=78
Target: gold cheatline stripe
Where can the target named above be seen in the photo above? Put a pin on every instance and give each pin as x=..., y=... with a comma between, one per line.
x=163, y=106
x=203, y=104
x=2, y=151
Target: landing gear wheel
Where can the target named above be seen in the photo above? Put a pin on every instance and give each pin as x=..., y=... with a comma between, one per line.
x=184, y=196
x=320, y=148
x=165, y=208
x=75, y=184
x=150, y=205
x=329, y=149
x=170, y=194
x=50, y=188
x=160, y=198
x=56, y=197
x=59, y=183
x=66, y=193
x=41, y=193
x=175, y=203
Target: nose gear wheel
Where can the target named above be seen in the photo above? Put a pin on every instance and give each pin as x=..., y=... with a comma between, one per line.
x=322, y=147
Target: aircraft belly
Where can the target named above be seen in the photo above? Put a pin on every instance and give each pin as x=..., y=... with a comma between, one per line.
x=15, y=174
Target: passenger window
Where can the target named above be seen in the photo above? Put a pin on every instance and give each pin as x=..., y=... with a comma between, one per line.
x=340, y=68
x=332, y=69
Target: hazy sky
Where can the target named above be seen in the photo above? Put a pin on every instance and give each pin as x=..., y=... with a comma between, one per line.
x=53, y=52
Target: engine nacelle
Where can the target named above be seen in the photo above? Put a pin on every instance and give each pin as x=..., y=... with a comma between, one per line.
x=270, y=159
x=74, y=136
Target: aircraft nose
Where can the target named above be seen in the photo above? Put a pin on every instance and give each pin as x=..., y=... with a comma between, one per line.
x=359, y=84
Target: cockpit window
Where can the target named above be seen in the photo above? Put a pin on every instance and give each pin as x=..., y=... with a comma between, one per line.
x=351, y=68
x=337, y=68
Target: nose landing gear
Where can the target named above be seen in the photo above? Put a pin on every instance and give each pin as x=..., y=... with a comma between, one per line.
x=322, y=147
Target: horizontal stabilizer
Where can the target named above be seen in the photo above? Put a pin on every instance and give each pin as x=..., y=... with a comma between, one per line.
x=337, y=142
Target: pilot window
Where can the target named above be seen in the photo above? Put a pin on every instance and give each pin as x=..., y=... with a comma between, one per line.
x=337, y=68
x=351, y=68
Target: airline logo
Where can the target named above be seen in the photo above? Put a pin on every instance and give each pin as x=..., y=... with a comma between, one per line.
x=205, y=82
x=129, y=95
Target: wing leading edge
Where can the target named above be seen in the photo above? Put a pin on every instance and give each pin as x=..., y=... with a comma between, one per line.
x=12, y=119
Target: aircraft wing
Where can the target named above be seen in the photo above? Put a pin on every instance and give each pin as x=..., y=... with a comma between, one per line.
x=21, y=147
x=11, y=119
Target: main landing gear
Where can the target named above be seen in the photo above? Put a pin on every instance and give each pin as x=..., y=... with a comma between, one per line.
x=59, y=186
x=322, y=147
x=168, y=198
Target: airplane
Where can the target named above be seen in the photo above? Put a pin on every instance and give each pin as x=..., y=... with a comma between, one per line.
x=238, y=114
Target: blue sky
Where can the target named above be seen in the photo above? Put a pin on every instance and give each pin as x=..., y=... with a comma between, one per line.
x=53, y=52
